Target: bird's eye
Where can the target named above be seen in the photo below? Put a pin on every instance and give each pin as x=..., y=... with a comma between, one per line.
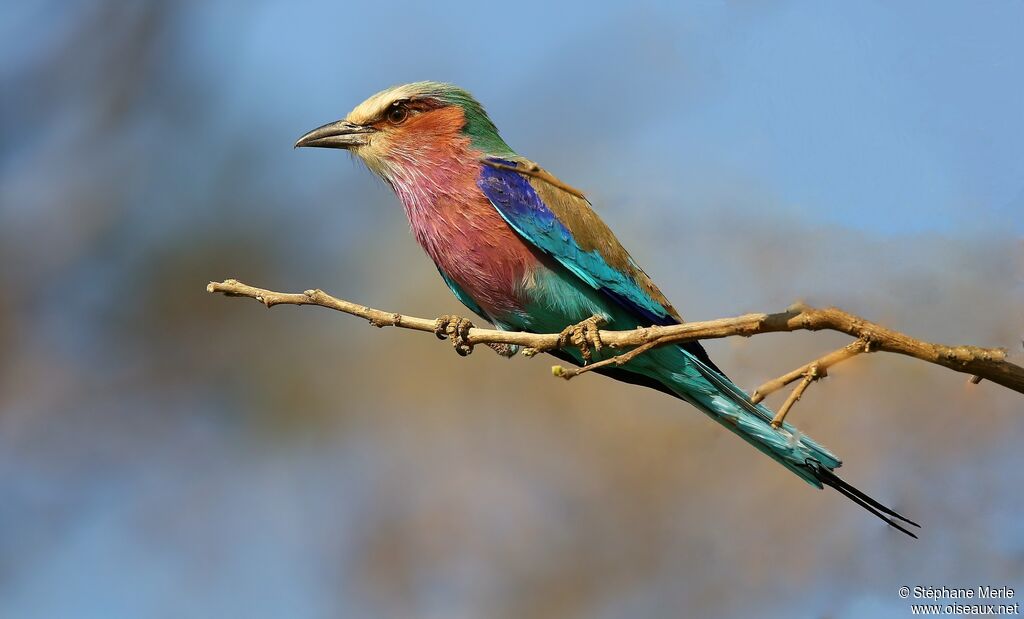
x=397, y=114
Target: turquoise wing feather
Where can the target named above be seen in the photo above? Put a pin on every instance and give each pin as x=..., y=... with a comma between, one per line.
x=562, y=224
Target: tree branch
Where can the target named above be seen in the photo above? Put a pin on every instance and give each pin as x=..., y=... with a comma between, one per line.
x=810, y=376
x=985, y=363
x=820, y=367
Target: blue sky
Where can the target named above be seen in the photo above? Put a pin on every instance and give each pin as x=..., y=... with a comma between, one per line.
x=893, y=118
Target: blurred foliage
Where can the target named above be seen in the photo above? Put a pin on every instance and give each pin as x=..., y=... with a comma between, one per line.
x=167, y=452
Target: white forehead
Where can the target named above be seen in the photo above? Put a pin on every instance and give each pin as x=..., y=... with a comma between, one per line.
x=375, y=105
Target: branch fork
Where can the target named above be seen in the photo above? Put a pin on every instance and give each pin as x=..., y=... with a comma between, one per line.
x=980, y=363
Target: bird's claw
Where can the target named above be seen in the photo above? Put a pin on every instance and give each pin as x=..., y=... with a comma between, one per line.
x=584, y=336
x=457, y=329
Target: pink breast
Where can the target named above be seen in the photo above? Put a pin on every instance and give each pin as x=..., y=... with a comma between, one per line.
x=466, y=237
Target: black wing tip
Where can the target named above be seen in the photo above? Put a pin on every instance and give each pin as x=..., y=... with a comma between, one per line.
x=828, y=478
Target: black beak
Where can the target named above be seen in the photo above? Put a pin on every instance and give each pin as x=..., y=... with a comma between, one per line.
x=341, y=134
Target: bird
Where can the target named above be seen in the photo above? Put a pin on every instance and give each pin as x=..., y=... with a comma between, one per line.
x=526, y=252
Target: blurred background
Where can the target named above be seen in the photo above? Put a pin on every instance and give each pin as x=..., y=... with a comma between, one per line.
x=165, y=452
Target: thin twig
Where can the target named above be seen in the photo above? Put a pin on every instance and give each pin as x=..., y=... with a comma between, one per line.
x=810, y=376
x=622, y=359
x=987, y=363
x=823, y=364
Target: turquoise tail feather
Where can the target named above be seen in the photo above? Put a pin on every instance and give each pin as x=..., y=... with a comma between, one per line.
x=722, y=400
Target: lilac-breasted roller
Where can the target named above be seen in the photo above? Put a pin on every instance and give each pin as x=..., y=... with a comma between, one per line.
x=526, y=252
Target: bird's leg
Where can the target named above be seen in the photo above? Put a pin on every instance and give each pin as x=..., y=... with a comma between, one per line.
x=584, y=335
x=457, y=329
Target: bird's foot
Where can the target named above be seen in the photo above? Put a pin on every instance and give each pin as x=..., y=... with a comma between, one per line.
x=505, y=350
x=584, y=335
x=455, y=328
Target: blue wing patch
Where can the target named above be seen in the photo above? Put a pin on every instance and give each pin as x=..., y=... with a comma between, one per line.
x=518, y=203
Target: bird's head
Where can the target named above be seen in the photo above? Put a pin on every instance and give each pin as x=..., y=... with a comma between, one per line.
x=411, y=123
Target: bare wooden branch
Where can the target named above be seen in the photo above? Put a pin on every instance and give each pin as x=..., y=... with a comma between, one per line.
x=822, y=365
x=987, y=363
x=810, y=376
x=622, y=359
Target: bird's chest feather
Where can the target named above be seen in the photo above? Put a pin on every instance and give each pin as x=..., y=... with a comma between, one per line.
x=467, y=239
